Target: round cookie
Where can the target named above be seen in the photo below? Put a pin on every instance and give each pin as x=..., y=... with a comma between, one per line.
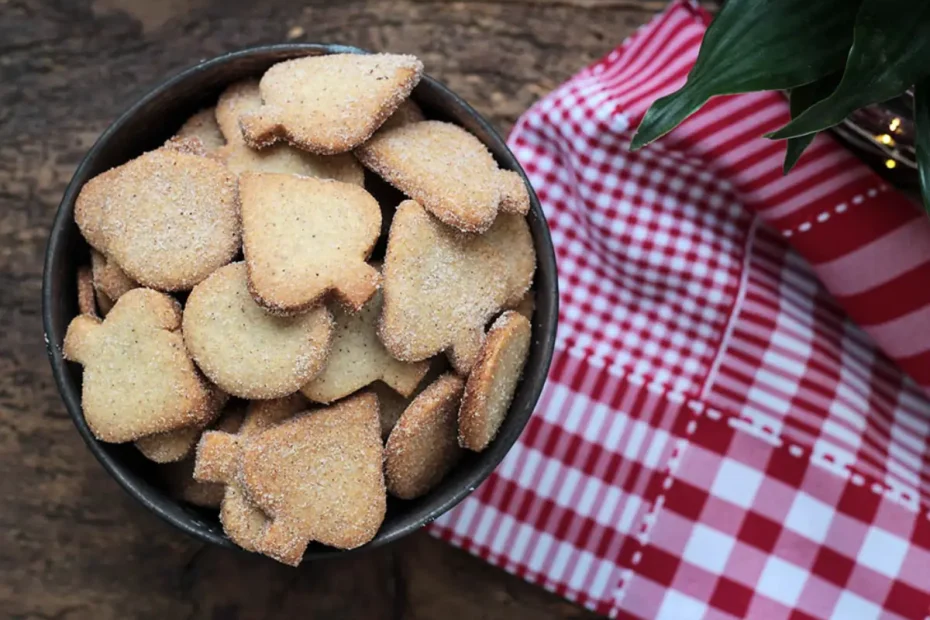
x=493, y=380
x=243, y=349
x=422, y=448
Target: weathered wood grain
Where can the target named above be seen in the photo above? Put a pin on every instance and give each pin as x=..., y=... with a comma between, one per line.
x=73, y=545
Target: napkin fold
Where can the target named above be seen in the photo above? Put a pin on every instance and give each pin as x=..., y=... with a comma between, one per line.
x=736, y=420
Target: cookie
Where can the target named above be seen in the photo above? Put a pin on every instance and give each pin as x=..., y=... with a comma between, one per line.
x=527, y=305
x=304, y=238
x=204, y=127
x=423, y=446
x=441, y=287
x=390, y=406
x=180, y=475
x=168, y=218
x=329, y=104
x=244, y=97
x=406, y=113
x=318, y=477
x=175, y=445
x=108, y=278
x=85, y=292
x=448, y=171
x=138, y=377
x=104, y=303
x=169, y=447
x=493, y=381
x=246, y=351
x=241, y=520
x=358, y=358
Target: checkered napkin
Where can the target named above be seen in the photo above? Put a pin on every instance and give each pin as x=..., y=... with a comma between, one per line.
x=736, y=421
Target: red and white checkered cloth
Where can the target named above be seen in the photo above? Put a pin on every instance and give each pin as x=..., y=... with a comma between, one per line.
x=728, y=430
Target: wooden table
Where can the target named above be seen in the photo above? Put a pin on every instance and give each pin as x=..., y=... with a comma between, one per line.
x=72, y=544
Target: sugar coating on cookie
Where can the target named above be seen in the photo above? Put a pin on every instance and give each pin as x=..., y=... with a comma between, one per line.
x=138, y=377
x=169, y=447
x=242, y=521
x=329, y=104
x=447, y=170
x=317, y=477
x=493, y=381
x=180, y=475
x=178, y=444
x=108, y=278
x=85, y=292
x=423, y=446
x=304, y=238
x=358, y=358
x=441, y=287
x=243, y=349
x=168, y=218
x=244, y=97
x=203, y=126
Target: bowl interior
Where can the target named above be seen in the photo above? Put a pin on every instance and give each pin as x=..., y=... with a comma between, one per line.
x=145, y=126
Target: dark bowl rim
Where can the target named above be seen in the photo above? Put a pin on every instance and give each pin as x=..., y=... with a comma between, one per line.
x=70, y=394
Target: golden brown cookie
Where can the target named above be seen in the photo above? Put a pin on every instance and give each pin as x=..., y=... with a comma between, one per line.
x=241, y=520
x=138, y=377
x=406, y=113
x=423, y=446
x=108, y=278
x=168, y=218
x=203, y=126
x=244, y=97
x=493, y=381
x=390, y=406
x=442, y=287
x=169, y=447
x=448, y=171
x=304, y=238
x=180, y=475
x=318, y=477
x=527, y=305
x=329, y=104
x=176, y=445
x=85, y=292
x=104, y=303
x=243, y=349
x=358, y=358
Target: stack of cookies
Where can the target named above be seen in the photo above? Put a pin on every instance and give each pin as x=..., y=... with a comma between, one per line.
x=235, y=327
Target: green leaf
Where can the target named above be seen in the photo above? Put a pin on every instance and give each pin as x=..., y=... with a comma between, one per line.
x=922, y=124
x=890, y=53
x=757, y=45
x=802, y=98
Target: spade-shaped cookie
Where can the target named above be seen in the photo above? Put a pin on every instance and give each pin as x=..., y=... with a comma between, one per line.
x=447, y=170
x=244, y=98
x=318, y=477
x=329, y=104
x=441, y=287
x=306, y=237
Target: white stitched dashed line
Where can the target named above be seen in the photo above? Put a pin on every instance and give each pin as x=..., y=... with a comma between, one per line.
x=840, y=208
x=794, y=450
x=696, y=407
